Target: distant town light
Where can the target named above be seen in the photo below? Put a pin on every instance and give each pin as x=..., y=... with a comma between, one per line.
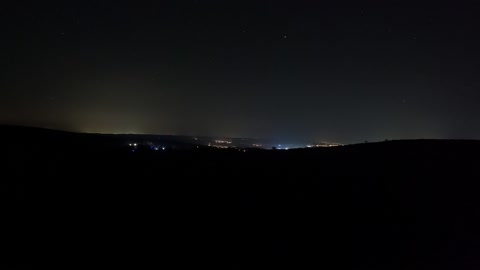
x=163, y=148
x=223, y=142
x=134, y=144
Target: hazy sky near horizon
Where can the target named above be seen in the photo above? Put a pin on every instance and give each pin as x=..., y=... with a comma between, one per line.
x=341, y=71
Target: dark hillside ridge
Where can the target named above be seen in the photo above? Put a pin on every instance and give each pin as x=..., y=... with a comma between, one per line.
x=389, y=205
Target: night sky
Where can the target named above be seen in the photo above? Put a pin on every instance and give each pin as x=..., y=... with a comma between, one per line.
x=340, y=71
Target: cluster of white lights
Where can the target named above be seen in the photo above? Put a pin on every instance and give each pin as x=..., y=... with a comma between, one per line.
x=220, y=146
x=222, y=141
x=324, y=145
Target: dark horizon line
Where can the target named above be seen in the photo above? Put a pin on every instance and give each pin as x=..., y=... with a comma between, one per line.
x=203, y=136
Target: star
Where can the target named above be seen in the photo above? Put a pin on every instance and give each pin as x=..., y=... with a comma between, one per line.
x=285, y=37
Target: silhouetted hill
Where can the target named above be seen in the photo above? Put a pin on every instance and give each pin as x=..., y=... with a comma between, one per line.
x=387, y=205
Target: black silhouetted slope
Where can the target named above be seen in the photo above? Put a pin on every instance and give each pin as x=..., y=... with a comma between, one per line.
x=389, y=205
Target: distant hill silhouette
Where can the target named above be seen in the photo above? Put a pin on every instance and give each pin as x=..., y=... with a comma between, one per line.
x=390, y=205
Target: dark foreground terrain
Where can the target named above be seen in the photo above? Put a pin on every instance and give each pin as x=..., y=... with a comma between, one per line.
x=76, y=201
